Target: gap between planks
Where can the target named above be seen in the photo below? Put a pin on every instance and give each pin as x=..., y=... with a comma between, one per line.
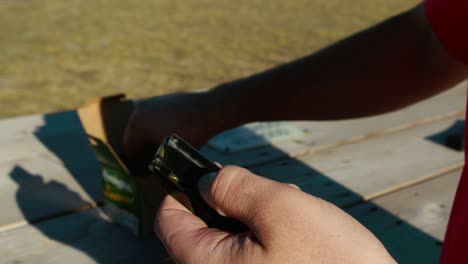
x=413, y=182
x=366, y=198
x=23, y=223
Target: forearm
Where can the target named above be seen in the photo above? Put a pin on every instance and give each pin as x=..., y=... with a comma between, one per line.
x=389, y=66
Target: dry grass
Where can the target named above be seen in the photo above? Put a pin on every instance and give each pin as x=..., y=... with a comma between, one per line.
x=54, y=54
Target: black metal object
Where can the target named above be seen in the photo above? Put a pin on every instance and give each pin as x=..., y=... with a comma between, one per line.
x=180, y=166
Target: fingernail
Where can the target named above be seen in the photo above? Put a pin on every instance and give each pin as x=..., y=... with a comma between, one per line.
x=205, y=181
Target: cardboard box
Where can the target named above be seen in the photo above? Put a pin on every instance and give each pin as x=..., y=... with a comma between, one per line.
x=130, y=200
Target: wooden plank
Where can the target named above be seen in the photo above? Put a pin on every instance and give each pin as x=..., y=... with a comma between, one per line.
x=46, y=169
x=406, y=243
x=370, y=167
x=52, y=123
x=69, y=148
x=390, y=231
x=38, y=188
x=85, y=237
x=449, y=102
x=310, y=180
x=320, y=135
x=426, y=206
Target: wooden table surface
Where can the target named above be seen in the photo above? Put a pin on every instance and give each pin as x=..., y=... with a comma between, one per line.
x=392, y=172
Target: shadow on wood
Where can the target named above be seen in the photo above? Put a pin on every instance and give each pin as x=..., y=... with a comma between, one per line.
x=453, y=137
x=85, y=231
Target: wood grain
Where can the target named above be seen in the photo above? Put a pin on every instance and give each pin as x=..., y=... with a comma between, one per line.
x=34, y=189
x=372, y=166
x=86, y=237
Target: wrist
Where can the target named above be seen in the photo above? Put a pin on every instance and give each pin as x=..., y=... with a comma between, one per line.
x=222, y=108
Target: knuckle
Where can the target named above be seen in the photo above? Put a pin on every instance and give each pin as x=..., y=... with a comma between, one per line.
x=231, y=170
x=294, y=186
x=280, y=202
x=228, y=181
x=279, y=197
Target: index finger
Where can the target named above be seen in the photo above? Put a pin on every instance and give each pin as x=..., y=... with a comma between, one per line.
x=174, y=219
x=185, y=236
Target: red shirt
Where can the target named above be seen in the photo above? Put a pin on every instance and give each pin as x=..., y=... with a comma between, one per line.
x=449, y=21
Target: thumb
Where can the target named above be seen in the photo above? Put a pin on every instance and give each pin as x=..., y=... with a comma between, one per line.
x=185, y=236
x=174, y=218
x=256, y=201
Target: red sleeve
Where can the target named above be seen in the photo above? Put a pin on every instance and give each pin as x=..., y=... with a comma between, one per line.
x=449, y=21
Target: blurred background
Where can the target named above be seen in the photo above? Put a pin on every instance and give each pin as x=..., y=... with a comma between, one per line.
x=55, y=54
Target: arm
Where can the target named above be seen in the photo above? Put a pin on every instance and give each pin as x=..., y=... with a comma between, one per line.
x=389, y=66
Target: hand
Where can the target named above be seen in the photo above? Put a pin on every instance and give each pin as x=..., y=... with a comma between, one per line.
x=287, y=226
x=186, y=114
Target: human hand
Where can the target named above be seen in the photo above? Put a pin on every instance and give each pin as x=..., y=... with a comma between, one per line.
x=186, y=114
x=286, y=226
